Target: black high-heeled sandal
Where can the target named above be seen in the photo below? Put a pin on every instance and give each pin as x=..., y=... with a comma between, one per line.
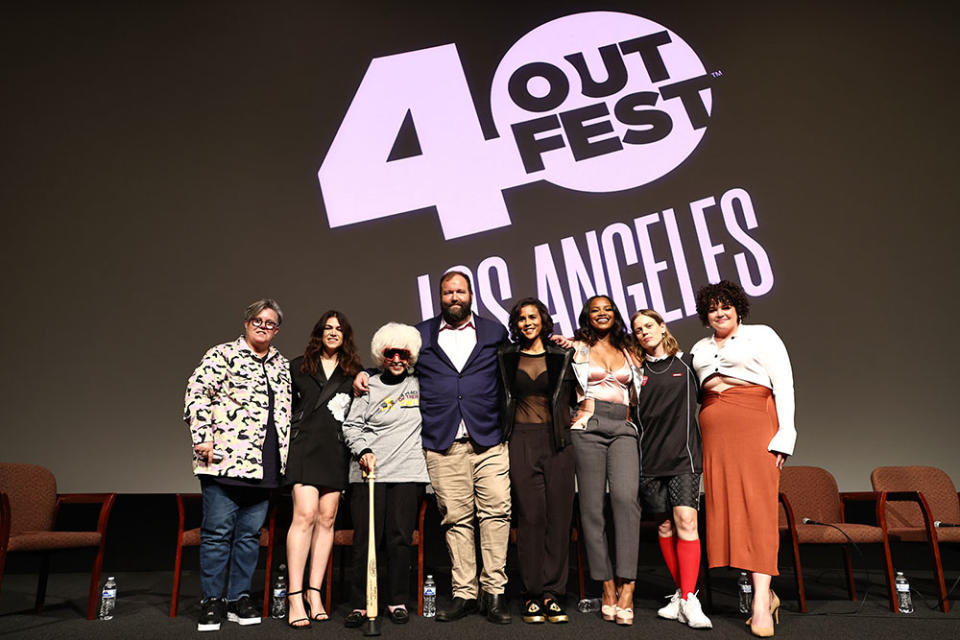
x=306, y=607
x=321, y=616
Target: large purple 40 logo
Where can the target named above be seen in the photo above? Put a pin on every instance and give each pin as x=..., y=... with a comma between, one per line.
x=596, y=102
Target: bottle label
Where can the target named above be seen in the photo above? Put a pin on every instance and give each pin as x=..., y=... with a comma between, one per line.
x=109, y=593
x=746, y=588
x=903, y=588
x=279, y=593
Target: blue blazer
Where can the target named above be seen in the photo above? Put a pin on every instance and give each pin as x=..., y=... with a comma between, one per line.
x=473, y=394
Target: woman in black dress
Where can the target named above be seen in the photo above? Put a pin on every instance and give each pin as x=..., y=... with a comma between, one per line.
x=317, y=464
x=539, y=391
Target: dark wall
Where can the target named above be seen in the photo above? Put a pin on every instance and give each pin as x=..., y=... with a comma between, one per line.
x=160, y=172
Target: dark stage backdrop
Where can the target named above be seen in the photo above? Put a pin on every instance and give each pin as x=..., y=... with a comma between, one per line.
x=166, y=163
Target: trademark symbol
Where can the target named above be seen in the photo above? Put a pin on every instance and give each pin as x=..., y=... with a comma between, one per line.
x=716, y=74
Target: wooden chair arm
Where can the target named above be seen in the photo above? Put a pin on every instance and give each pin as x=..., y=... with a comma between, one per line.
x=105, y=500
x=859, y=496
x=4, y=525
x=791, y=519
x=905, y=496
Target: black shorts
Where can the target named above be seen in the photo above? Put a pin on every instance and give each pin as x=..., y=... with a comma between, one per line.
x=661, y=494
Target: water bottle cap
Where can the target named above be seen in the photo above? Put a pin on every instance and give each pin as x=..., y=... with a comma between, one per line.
x=430, y=575
x=110, y=578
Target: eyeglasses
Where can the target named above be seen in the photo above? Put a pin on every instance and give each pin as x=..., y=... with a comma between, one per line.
x=269, y=325
x=395, y=354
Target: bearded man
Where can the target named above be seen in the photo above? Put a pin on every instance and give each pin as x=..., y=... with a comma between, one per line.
x=468, y=463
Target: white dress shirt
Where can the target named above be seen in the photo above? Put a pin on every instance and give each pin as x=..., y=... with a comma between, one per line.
x=754, y=353
x=458, y=343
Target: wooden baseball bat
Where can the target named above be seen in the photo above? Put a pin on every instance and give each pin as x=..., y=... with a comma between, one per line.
x=371, y=556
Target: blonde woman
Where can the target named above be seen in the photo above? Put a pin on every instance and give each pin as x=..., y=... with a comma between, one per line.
x=671, y=459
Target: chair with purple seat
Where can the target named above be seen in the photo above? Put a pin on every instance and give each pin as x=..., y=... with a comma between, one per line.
x=29, y=503
x=912, y=501
x=813, y=511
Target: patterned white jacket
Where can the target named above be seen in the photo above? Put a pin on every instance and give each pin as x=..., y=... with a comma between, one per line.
x=227, y=402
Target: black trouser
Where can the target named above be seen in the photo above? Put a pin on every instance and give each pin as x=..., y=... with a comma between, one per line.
x=395, y=508
x=543, y=489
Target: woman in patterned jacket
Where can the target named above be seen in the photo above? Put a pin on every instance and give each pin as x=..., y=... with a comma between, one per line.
x=238, y=408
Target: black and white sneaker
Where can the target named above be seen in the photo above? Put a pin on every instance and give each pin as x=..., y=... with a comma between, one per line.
x=242, y=611
x=212, y=612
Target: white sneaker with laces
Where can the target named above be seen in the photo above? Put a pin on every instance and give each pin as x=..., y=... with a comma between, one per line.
x=692, y=614
x=671, y=611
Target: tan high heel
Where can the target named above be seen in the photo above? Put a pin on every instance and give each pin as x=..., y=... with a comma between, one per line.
x=767, y=632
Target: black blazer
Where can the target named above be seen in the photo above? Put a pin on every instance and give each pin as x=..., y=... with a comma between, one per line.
x=317, y=455
x=561, y=384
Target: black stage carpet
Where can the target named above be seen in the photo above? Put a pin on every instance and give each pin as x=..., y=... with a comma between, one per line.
x=143, y=606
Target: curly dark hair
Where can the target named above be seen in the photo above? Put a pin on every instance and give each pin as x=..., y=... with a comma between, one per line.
x=724, y=292
x=349, y=358
x=546, y=322
x=619, y=338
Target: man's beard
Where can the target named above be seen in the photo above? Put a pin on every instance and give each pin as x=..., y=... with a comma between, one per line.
x=455, y=317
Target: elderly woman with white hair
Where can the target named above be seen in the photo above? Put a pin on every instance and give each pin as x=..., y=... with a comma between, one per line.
x=382, y=432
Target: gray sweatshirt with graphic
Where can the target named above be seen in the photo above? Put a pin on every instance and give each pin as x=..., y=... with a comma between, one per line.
x=387, y=420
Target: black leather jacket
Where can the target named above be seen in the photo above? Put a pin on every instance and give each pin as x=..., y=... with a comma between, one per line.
x=561, y=383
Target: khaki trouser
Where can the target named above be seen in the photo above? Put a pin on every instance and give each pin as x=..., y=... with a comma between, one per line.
x=468, y=479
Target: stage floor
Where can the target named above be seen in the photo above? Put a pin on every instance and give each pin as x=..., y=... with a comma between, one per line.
x=144, y=603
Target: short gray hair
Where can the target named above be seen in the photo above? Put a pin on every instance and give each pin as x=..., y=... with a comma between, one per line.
x=397, y=336
x=254, y=309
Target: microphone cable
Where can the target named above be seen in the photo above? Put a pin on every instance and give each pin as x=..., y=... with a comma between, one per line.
x=853, y=544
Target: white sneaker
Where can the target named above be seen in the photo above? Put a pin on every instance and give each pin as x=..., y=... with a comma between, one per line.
x=692, y=614
x=671, y=611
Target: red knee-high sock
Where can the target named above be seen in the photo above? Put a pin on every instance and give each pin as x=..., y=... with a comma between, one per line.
x=688, y=562
x=668, y=547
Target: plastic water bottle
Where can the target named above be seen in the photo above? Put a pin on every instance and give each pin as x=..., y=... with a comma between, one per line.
x=588, y=605
x=745, y=588
x=108, y=599
x=278, y=601
x=429, y=597
x=904, y=601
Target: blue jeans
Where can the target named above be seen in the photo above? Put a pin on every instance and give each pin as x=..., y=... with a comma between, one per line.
x=230, y=535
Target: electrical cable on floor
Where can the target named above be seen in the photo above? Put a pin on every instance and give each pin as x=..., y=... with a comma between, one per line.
x=866, y=592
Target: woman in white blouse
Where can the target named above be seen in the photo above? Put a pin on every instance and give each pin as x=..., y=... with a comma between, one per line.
x=746, y=422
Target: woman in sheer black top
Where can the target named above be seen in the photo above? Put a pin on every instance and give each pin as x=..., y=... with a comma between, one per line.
x=539, y=391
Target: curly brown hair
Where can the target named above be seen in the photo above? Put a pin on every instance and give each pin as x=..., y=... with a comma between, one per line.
x=349, y=360
x=723, y=292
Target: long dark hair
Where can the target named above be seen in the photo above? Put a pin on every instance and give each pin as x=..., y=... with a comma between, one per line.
x=546, y=322
x=619, y=338
x=349, y=359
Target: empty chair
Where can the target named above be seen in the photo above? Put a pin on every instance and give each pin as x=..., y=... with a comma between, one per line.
x=912, y=499
x=810, y=493
x=29, y=503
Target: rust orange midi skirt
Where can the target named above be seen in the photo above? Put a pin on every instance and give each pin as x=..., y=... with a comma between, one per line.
x=740, y=478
